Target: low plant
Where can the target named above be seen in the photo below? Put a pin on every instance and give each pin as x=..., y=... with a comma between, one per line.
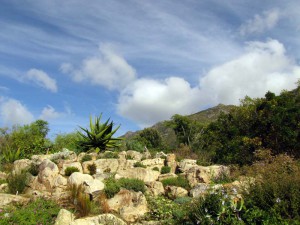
x=111, y=188
x=222, y=178
x=132, y=184
x=40, y=211
x=109, y=155
x=179, y=181
x=17, y=182
x=9, y=154
x=70, y=170
x=165, y=169
x=80, y=200
x=129, y=157
x=139, y=164
x=92, y=168
x=3, y=181
x=155, y=169
x=86, y=158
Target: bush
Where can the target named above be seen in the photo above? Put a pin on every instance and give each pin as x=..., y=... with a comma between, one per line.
x=86, y=158
x=139, y=164
x=135, y=145
x=156, y=169
x=92, y=168
x=179, y=181
x=70, y=170
x=132, y=184
x=109, y=155
x=17, y=182
x=80, y=199
x=111, y=188
x=165, y=169
x=40, y=211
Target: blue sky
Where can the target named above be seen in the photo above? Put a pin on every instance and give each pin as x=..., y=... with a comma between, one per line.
x=139, y=62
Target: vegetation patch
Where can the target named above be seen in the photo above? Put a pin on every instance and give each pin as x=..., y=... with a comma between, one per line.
x=179, y=181
x=70, y=170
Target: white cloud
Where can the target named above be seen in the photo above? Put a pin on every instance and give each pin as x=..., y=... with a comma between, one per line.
x=261, y=23
x=42, y=79
x=263, y=67
x=147, y=101
x=108, y=69
x=14, y=112
x=49, y=113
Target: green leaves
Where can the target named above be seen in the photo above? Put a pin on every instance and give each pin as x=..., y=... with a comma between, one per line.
x=99, y=136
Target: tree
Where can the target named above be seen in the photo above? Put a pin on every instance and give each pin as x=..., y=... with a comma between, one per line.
x=151, y=137
x=99, y=136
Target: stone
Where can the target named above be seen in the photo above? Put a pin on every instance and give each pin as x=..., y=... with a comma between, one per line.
x=38, y=159
x=64, y=217
x=171, y=162
x=72, y=164
x=48, y=172
x=126, y=164
x=7, y=199
x=85, y=167
x=65, y=154
x=131, y=205
x=151, y=163
x=176, y=192
x=146, y=155
x=60, y=181
x=202, y=188
x=3, y=175
x=166, y=176
x=77, y=178
x=146, y=175
x=4, y=187
x=103, y=219
x=155, y=188
x=161, y=155
x=134, y=155
x=107, y=165
x=21, y=164
x=185, y=164
x=93, y=187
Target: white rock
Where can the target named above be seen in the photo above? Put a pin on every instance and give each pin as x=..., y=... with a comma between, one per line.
x=77, y=178
x=64, y=217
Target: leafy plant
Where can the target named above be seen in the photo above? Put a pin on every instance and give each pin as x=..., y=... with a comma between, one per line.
x=92, y=168
x=165, y=169
x=132, y=184
x=139, y=164
x=17, y=182
x=111, y=188
x=86, y=158
x=10, y=155
x=156, y=169
x=179, y=181
x=40, y=211
x=70, y=170
x=109, y=155
x=99, y=136
x=80, y=199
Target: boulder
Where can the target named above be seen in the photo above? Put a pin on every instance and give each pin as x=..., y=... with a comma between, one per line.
x=160, y=155
x=126, y=164
x=85, y=167
x=64, y=217
x=151, y=163
x=38, y=159
x=176, y=192
x=155, y=188
x=72, y=164
x=93, y=187
x=171, y=162
x=3, y=188
x=77, y=178
x=131, y=205
x=65, y=154
x=185, y=164
x=3, y=175
x=60, y=181
x=202, y=188
x=103, y=219
x=48, y=171
x=107, y=165
x=146, y=175
x=7, y=199
x=146, y=155
x=166, y=176
x=134, y=155
x=21, y=164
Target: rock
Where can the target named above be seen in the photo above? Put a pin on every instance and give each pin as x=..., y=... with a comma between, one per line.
x=161, y=155
x=4, y=187
x=3, y=175
x=21, y=164
x=60, y=181
x=176, y=192
x=103, y=219
x=93, y=187
x=65, y=154
x=155, y=188
x=77, y=178
x=171, y=158
x=107, y=165
x=146, y=175
x=131, y=205
x=134, y=155
x=38, y=159
x=122, y=155
x=151, y=163
x=202, y=188
x=6, y=199
x=48, y=172
x=218, y=171
x=146, y=155
x=64, y=217
x=126, y=164
x=166, y=176
x=185, y=164
x=171, y=162
x=72, y=164
x=85, y=167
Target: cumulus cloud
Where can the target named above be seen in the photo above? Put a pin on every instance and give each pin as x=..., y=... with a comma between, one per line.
x=109, y=69
x=264, y=66
x=14, y=112
x=147, y=101
x=49, y=113
x=261, y=23
x=41, y=78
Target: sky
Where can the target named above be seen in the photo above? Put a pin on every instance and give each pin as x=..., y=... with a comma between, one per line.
x=140, y=61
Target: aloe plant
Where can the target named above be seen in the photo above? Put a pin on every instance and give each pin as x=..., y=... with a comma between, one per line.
x=99, y=136
x=9, y=155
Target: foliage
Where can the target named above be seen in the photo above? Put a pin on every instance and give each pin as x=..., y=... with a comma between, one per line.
x=111, y=188
x=80, y=199
x=99, y=136
x=70, y=170
x=179, y=181
x=109, y=155
x=165, y=169
x=156, y=169
x=264, y=123
x=151, y=137
x=139, y=164
x=69, y=141
x=40, y=211
x=92, y=168
x=9, y=155
x=86, y=158
x=17, y=182
x=135, y=144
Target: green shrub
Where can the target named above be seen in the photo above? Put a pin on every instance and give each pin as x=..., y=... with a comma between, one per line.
x=132, y=184
x=40, y=211
x=111, y=188
x=17, y=182
x=109, y=155
x=179, y=181
x=183, y=200
x=34, y=169
x=156, y=169
x=92, y=168
x=86, y=158
x=70, y=170
x=129, y=157
x=69, y=141
x=135, y=145
x=139, y=164
x=165, y=169
x=3, y=181
x=80, y=199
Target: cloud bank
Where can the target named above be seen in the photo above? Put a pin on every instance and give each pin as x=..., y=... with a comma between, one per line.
x=41, y=78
